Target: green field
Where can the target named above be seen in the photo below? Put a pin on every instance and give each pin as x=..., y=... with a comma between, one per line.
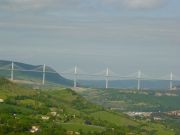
x=61, y=111
x=133, y=100
x=114, y=118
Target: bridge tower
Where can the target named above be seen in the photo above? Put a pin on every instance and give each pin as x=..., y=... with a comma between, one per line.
x=139, y=80
x=107, y=78
x=75, y=77
x=171, y=81
x=12, y=71
x=44, y=74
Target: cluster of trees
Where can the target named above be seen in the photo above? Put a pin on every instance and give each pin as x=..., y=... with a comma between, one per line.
x=131, y=99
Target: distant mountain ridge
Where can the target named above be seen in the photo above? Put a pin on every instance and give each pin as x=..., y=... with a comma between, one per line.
x=24, y=71
x=130, y=84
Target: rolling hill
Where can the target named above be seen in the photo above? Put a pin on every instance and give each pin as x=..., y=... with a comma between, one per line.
x=62, y=111
x=23, y=72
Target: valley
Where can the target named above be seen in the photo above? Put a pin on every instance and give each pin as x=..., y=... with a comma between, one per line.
x=24, y=110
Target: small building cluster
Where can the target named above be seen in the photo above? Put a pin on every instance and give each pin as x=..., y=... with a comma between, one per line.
x=176, y=87
x=72, y=133
x=158, y=94
x=141, y=114
x=1, y=100
x=174, y=113
x=45, y=117
x=34, y=129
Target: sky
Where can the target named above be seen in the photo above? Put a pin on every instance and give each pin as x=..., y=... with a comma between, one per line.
x=124, y=35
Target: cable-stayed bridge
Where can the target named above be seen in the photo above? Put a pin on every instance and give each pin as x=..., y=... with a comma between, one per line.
x=76, y=73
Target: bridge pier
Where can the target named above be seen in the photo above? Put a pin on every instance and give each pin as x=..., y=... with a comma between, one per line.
x=12, y=71
x=139, y=80
x=44, y=74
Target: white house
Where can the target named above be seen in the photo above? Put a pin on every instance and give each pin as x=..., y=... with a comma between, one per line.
x=1, y=100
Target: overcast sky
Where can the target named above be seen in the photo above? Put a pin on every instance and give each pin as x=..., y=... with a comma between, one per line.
x=124, y=35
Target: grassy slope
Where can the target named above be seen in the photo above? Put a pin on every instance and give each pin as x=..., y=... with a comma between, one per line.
x=119, y=119
x=129, y=100
x=29, y=105
x=9, y=89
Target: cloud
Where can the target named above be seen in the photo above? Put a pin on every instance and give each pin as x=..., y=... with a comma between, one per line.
x=22, y=5
x=136, y=4
x=143, y=4
x=33, y=5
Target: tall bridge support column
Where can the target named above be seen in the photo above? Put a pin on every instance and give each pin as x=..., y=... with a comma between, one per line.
x=139, y=80
x=171, y=81
x=75, y=77
x=12, y=71
x=44, y=74
x=107, y=78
